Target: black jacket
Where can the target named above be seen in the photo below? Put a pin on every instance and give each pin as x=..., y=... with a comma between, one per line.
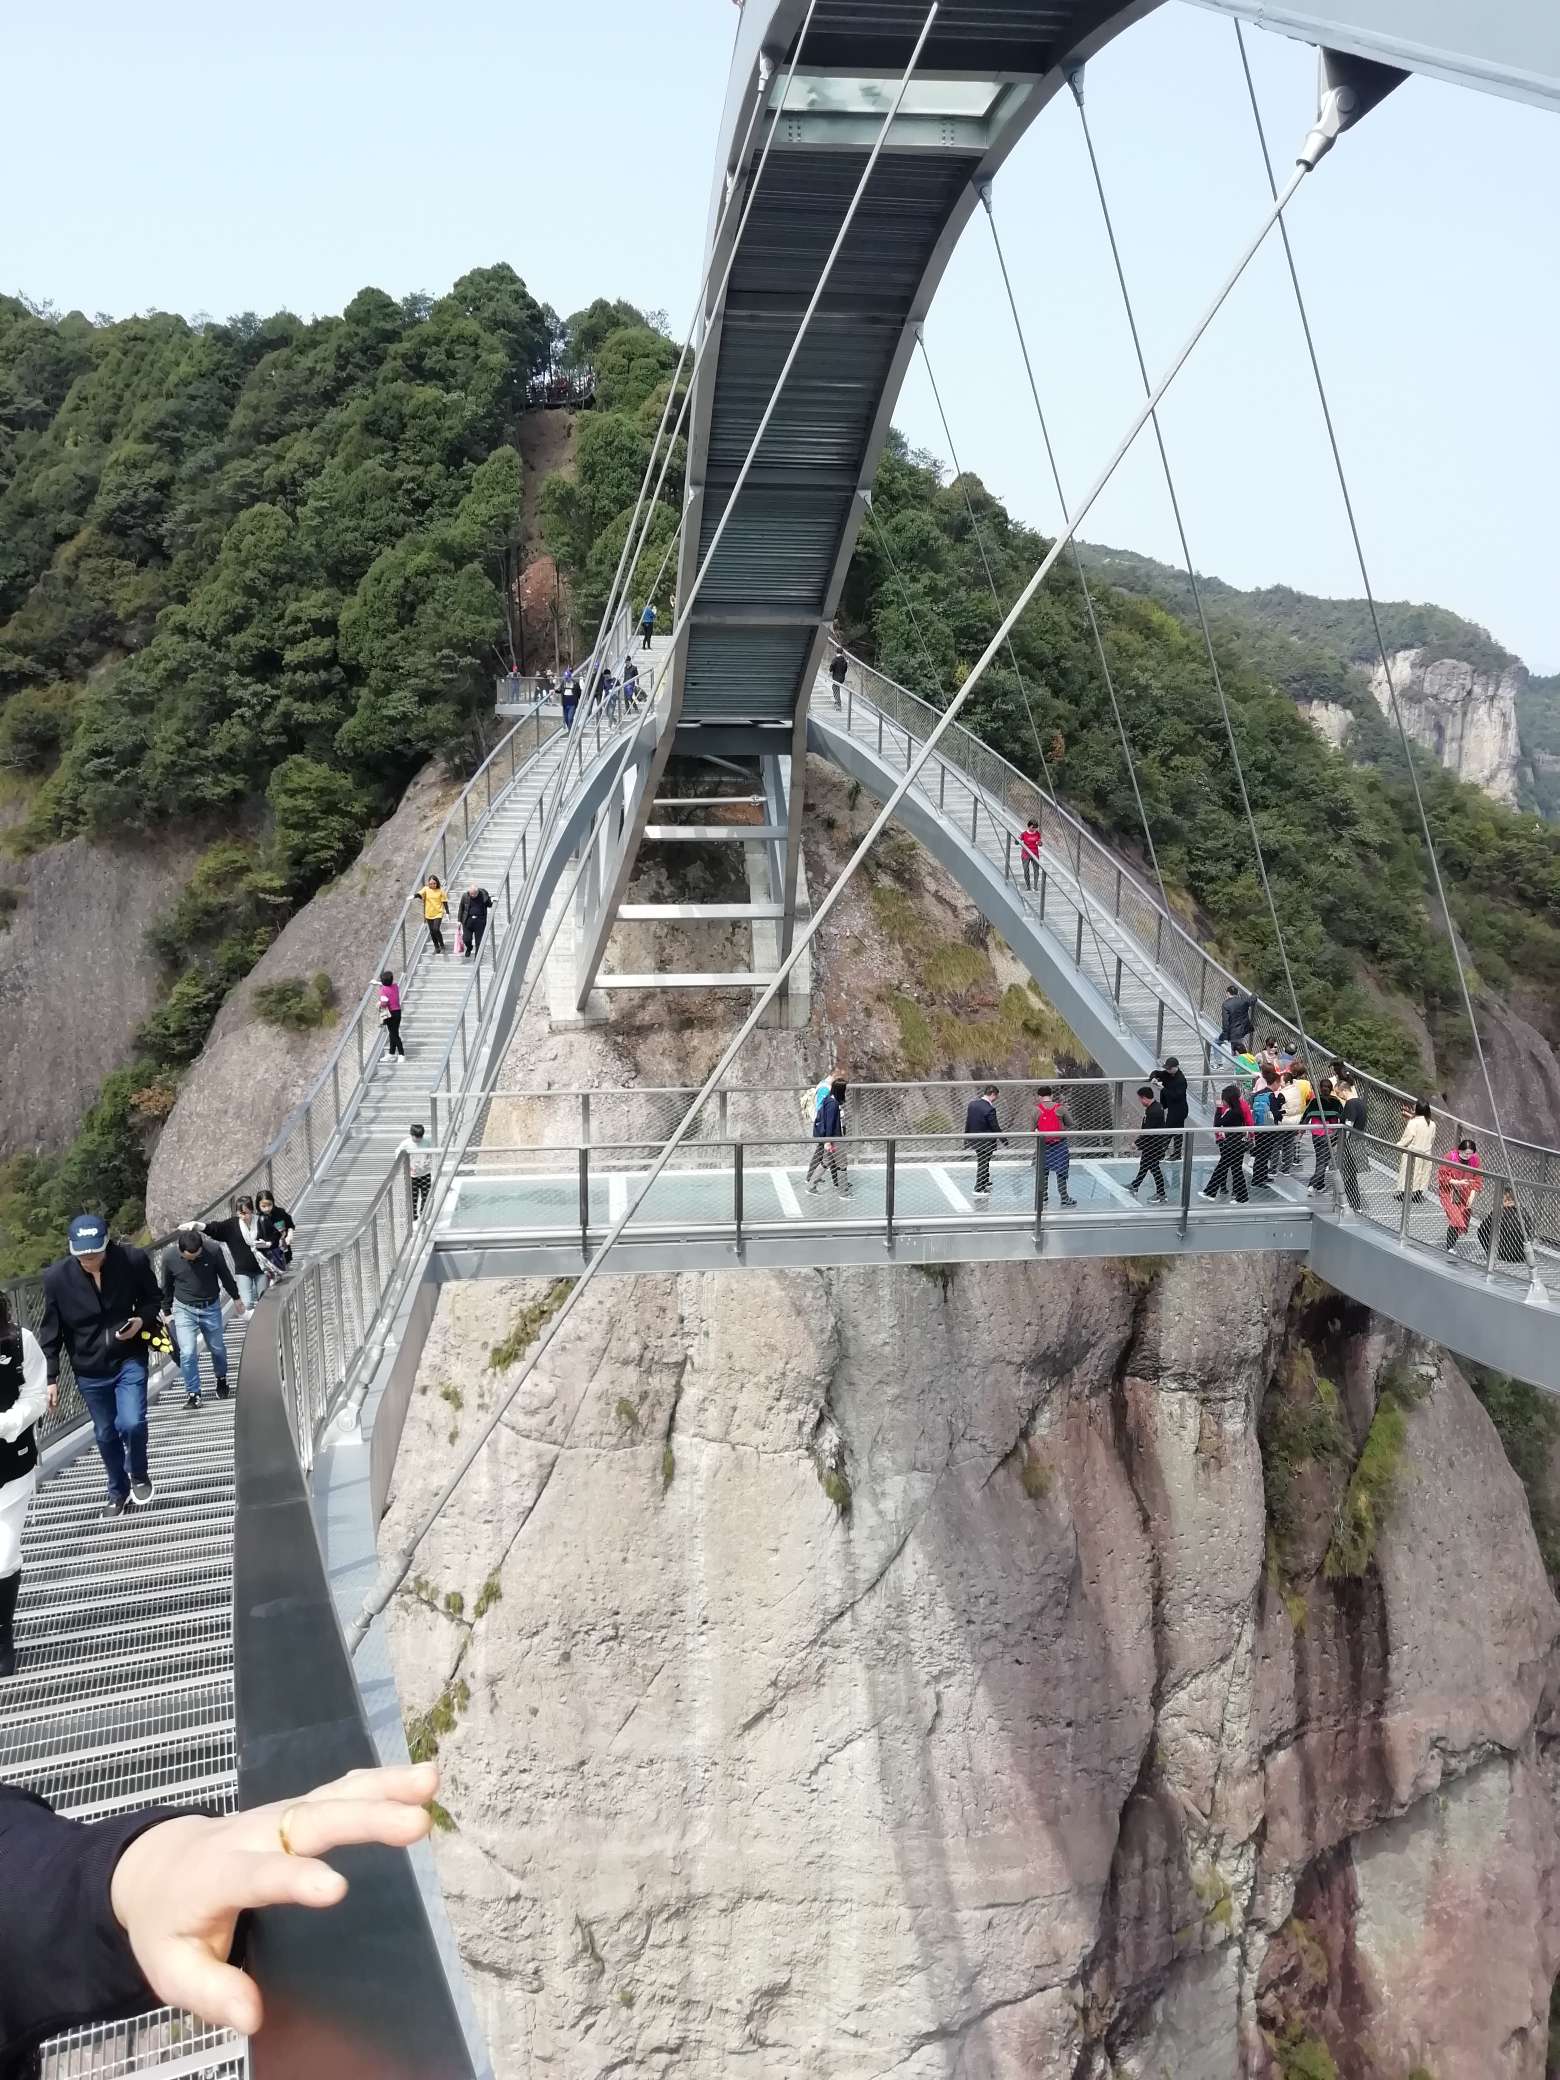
x=1235, y=1018
x=981, y=1123
x=275, y=1226
x=1172, y=1090
x=474, y=908
x=1150, y=1143
x=838, y=669
x=1354, y=1114
x=231, y=1234
x=1511, y=1248
x=829, y=1123
x=64, y=1959
x=197, y=1283
x=80, y=1317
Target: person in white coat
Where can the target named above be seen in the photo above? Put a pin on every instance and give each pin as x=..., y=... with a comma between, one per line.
x=24, y=1401
x=1416, y=1141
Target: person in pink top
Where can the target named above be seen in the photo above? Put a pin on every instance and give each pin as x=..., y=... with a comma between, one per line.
x=1457, y=1186
x=1029, y=843
x=390, y=1015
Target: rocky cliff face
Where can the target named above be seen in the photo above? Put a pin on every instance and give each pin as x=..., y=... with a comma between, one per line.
x=852, y=1673
x=1075, y=1671
x=1466, y=716
x=250, y=1074
x=76, y=978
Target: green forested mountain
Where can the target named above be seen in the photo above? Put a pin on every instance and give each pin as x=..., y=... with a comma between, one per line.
x=265, y=567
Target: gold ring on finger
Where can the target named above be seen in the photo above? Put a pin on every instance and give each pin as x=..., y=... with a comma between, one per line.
x=281, y=1831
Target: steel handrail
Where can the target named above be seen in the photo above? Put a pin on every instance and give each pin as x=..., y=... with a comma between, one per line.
x=1545, y=1159
x=26, y=1294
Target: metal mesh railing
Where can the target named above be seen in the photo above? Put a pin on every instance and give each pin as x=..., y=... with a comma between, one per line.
x=1186, y=982
x=298, y=1151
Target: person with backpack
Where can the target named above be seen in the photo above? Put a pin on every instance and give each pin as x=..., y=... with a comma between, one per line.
x=99, y=1302
x=1029, y=843
x=647, y=625
x=982, y=1132
x=390, y=1015
x=814, y=1097
x=1174, y=1097
x=837, y=672
x=1457, y=1186
x=472, y=918
x=1231, y=1125
x=630, y=687
x=194, y=1278
x=1297, y=1096
x=435, y=899
x=1267, y=1111
x=1324, y=1116
x=828, y=1133
x=1151, y=1144
x=569, y=698
x=24, y=1402
x=1055, y=1158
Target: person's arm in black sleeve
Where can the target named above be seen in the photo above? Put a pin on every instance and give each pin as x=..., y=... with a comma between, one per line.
x=225, y=1277
x=64, y=1959
x=160, y=1300
x=49, y=1331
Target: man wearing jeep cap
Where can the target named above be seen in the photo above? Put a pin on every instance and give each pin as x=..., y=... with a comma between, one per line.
x=96, y=1303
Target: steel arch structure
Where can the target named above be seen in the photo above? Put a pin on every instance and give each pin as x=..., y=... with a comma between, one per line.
x=753, y=643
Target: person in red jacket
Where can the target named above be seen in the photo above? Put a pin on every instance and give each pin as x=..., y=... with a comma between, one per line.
x=1232, y=1122
x=1029, y=843
x=1055, y=1156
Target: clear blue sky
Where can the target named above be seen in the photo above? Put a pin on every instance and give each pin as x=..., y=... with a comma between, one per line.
x=203, y=159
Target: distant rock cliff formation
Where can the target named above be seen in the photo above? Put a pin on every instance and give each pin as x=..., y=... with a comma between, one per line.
x=1465, y=715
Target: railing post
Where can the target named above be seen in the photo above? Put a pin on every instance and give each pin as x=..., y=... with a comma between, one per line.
x=1159, y=1033
x=373, y=1250
x=1007, y=855
x=360, y=1024
x=444, y=853
x=1159, y=940
x=1188, y=1147
x=335, y=1087
x=584, y=1201
x=585, y=1119
x=465, y=818
x=1044, y=881
x=1078, y=948
x=722, y=1115
x=1118, y=892
x=736, y=1191
x=1118, y=982
x=1202, y=989
x=888, y=1190
x=880, y=732
x=942, y=783
x=403, y=949
x=433, y=1116
x=974, y=815
x=1039, y=1187
x=308, y=1137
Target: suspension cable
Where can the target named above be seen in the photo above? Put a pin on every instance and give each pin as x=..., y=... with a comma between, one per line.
x=1381, y=646
x=396, y=1566
x=1085, y=908
x=1076, y=82
x=1082, y=574
x=980, y=544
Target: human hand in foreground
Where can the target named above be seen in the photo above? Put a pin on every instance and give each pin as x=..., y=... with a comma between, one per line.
x=178, y=1890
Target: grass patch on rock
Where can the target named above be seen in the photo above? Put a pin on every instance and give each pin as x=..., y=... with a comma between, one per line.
x=528, y=1324
x=296, y=1005
x=1367, y=1501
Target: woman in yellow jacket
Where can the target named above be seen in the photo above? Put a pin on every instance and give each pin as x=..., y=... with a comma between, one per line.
x=436, y=902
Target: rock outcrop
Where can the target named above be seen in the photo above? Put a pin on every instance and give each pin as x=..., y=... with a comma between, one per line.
x=1465, y=715
x=1331, y=720
x=250, y=1074
x=837, y=1674
x=76, y=976
x=934, y=1672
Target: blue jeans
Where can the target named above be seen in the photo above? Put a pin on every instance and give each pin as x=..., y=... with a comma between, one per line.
x=251, y=1285
x=190, y=1322
x=118, y=1406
